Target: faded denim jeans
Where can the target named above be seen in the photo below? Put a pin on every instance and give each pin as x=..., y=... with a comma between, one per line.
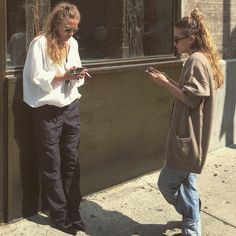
x=179, y=189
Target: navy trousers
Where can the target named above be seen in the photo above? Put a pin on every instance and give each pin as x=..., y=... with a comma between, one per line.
x=57, y=136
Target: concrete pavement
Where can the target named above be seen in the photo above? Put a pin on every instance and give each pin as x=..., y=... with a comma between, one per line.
x=138, y=208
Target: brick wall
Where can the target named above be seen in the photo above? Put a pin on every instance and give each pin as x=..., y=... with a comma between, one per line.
x=221, y=18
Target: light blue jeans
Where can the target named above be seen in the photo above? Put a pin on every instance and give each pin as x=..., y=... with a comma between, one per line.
x=179, y=189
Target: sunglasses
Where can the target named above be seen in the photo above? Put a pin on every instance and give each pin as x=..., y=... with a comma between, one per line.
x=69, y=31
x=176, y=40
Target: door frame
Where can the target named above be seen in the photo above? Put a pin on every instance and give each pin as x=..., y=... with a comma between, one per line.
x=3, y=213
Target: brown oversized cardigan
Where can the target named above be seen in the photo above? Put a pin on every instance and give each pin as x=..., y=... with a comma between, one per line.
x=191, y=120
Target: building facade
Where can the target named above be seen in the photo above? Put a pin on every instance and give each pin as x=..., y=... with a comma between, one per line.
x=124, y=115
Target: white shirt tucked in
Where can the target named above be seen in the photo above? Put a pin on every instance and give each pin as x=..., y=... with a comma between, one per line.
x=39, y=88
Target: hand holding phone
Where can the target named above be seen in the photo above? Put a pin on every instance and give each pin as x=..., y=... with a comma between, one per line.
x=78, y=70
x=151, y=70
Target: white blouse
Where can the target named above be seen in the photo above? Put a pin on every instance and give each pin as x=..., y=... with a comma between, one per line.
x=38, y=86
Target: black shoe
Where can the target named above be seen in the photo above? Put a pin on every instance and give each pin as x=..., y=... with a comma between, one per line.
x=69, y=229
x=79, y=225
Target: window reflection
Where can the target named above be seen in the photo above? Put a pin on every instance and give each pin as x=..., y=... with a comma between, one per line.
x=108, y=30
x=125, y=29
x=158, y=20
x=16, y=39
x=100, y=29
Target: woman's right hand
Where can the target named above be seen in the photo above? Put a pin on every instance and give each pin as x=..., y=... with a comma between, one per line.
x=68, y=75
x=158, y=77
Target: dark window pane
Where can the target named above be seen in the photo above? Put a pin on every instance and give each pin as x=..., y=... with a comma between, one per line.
x=16, y=37
x=109, y=29
x=24, y=20
x=158, y=27
x=126, y=29
x=100, y=29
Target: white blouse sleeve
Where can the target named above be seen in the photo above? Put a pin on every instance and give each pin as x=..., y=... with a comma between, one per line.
x=35, y=66
x=74, y=59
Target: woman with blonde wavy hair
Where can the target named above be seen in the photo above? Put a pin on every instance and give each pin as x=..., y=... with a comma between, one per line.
x=50, y=87
x=191, y=120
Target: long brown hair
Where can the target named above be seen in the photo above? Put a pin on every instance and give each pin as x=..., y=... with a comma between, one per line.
x=59, y=12
x=196, y=26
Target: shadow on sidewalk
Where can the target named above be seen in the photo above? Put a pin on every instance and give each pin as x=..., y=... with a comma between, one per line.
x=233, y=146
x=101, y=222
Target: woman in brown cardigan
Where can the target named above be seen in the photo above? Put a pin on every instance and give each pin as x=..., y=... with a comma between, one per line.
x=190, y=126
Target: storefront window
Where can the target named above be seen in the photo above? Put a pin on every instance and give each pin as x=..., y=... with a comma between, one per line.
x=125, y=28
x=24, y=20
x=121, y=29
x=16, y=37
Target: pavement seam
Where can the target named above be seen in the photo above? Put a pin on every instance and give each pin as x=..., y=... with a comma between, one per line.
x=219, y=219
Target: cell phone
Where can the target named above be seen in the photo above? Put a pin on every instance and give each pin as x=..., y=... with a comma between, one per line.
x=77, y=70
x=150, y=69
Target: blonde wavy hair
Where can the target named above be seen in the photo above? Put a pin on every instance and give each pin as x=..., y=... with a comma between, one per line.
x=59, y=12
x=196, y=26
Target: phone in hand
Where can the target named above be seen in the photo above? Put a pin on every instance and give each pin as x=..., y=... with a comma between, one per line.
x=77, y=70
x=150, y=69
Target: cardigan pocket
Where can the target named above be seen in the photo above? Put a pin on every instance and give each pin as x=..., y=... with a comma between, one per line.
x=187, y=150
x=184, y=146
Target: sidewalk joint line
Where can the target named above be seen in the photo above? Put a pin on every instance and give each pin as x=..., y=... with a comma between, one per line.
x=217, y=218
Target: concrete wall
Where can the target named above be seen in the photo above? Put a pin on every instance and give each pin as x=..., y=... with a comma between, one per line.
x=224, y=127
x=124, y=119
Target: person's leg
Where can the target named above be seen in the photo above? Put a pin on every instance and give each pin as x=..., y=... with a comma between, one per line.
x=169, y=183
x=179, y=189
x=189, y=206
x=47, y=129
x=70, y=162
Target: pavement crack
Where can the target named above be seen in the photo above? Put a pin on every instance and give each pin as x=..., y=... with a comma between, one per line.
x=217, y=218
x=150, y=184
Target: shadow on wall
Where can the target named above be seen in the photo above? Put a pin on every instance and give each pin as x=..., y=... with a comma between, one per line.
x=227, y=124
x=232, y=44
x=27, y=199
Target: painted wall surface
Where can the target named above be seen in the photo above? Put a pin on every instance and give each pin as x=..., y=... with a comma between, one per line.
x=224, y=126
x=124, y=119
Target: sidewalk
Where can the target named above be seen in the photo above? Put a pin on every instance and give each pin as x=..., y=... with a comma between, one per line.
x=138, y=208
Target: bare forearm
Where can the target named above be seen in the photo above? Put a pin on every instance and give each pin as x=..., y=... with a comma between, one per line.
x=58, y=77
x=174, y=90
x=172, y=81
x=164, y=80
